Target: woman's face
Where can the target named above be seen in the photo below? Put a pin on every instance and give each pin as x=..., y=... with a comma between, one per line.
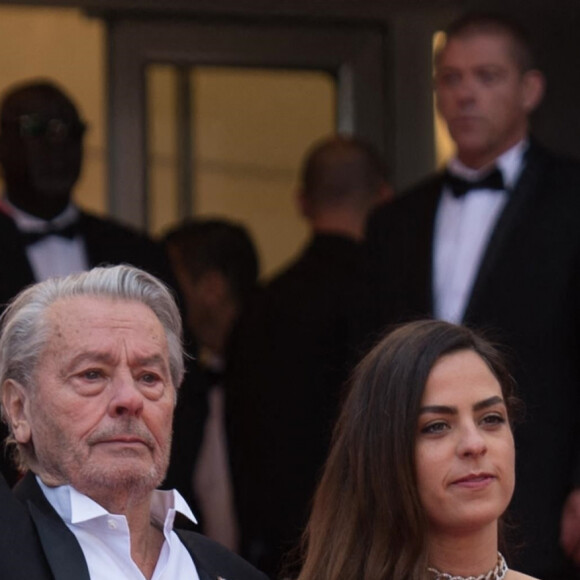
x=464, y=451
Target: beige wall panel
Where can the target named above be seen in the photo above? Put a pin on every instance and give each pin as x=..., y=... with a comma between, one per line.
x=253, y=128
x=266, y=208
x=66, y=47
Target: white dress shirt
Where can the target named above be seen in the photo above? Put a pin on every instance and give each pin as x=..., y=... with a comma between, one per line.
x=52, y=255
x=463, y=228
x=105, y=541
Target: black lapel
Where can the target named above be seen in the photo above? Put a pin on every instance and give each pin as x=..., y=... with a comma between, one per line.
x=16, y=271
x=416, y=260
x=60, y=546
x=202, y=572
x=91, y=239
x=527, y=185
x=426, y=239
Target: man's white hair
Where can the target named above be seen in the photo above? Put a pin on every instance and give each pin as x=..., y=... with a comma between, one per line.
x=24, y=329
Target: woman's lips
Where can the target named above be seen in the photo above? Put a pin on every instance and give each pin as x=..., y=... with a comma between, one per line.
x=474, y=480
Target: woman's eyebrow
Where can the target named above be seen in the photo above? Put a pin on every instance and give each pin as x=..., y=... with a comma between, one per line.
x=488, y=403
x=450, y=410
x=443, y=409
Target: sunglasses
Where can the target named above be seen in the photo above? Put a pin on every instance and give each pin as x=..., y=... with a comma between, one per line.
x=55, y=130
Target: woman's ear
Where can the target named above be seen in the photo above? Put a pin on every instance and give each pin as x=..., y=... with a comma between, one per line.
x=15, y=403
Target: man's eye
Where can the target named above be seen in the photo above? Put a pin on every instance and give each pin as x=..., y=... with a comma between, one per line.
x=150, y=378
x=92, y=374
x=449, y=79
x=489, y=76
x=435, y=428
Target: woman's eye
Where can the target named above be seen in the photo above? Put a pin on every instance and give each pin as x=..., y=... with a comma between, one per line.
x=435, y=428
x=493, y=419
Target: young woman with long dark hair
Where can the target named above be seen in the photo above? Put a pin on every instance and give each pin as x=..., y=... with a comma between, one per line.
x=422, y=464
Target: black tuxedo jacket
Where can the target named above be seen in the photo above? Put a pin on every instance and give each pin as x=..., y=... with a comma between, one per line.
x=293, y=351
x=55, y=553
x=527, y=293
x=106, y=241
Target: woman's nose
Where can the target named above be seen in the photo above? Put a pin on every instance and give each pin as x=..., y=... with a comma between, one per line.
x=472, y=442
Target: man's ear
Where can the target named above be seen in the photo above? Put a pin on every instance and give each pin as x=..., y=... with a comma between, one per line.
x=15, y=403
x=304, y=204
x=534, y=84
x=384, y=194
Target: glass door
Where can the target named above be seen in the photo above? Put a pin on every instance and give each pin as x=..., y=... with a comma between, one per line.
x=213, y=119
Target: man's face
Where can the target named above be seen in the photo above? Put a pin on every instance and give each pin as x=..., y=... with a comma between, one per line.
x=483, y=96
x=41, y=152
x=100, y=414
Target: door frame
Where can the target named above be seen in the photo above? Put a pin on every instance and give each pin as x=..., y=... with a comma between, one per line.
x=354, y=55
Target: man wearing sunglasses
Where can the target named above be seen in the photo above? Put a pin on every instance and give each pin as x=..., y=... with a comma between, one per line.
x=42, y=232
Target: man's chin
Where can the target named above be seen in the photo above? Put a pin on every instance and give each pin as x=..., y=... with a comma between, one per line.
x=124, y=476
x=53, y=187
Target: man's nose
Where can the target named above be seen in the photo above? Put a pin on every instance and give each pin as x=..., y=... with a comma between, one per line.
x=126, y=397
x=465, y=91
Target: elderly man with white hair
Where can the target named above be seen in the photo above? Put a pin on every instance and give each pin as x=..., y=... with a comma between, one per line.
x=90, y=366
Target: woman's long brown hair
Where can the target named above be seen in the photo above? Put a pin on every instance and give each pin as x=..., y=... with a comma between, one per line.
x=367, y=522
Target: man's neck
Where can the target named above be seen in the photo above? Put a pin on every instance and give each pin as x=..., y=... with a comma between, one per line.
x=478, y=161
x=347, y=223
x=46, y=209
x=510, y=163
x=146, y=543
x=146, y=539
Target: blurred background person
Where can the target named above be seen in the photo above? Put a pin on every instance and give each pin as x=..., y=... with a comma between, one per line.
x=216, y=265
x=422, y=464
x=43, y=233
x=295, y=348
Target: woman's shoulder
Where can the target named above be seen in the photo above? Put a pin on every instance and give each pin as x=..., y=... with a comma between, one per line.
x=513, y=575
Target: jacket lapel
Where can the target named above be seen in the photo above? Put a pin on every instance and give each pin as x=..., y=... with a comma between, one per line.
x=512, y=214
x=202, y=571
x=60, y=546
x=425, y=256
x=417, y=292
x=16, y=270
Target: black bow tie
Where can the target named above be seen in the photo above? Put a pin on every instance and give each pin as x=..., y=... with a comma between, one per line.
x=459, y=186
x=69, y=232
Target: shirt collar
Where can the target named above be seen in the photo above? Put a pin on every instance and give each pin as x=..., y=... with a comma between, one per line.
x=510, y=163
x=75, y=508
x=26, y=222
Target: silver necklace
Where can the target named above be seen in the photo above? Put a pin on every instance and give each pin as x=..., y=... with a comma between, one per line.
x=498, y=572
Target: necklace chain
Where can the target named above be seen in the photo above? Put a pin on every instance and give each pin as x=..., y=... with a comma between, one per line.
x=498, y=572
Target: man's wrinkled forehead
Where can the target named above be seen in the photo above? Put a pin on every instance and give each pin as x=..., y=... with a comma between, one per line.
x=507, y=43
x=49, y=103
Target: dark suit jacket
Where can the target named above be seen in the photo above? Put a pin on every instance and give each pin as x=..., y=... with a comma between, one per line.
x=292, y=354
x=61, y=557
x=106, y=241
x=21, y=555
x=528, y=291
